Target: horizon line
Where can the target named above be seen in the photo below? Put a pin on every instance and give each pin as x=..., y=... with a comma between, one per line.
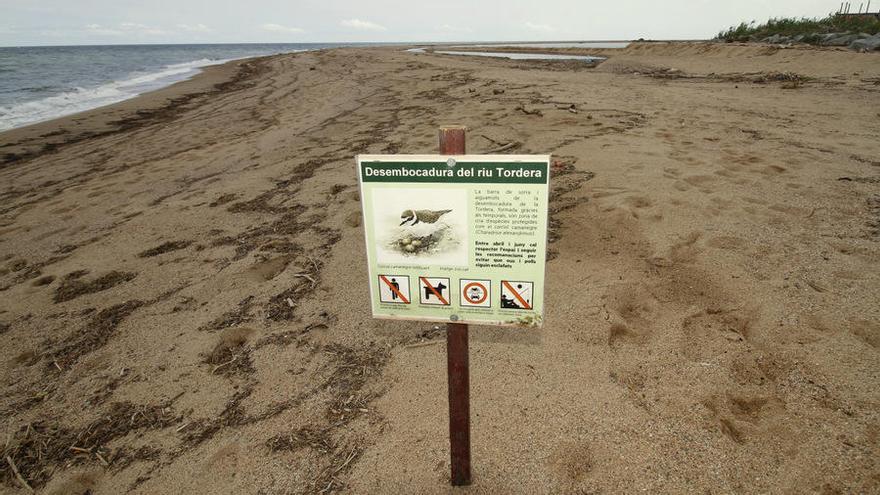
x=358, y=42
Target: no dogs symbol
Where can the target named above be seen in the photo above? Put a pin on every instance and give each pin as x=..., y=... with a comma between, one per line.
x=475, y=293
x=434, y=290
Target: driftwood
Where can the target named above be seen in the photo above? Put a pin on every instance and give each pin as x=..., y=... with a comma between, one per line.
x=512, y=144
x=571, y=108
x=17, y=474
x=499, y=146
x=487, y=138
x=227, y=363
x=422, y=344
x=529, y=112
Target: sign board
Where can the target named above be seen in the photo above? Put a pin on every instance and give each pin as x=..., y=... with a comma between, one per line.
x=458, y=238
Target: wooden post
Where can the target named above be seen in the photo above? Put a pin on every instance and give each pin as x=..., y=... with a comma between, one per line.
x=452, y=142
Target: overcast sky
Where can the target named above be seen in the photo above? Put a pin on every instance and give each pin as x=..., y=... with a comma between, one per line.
x=74, y=22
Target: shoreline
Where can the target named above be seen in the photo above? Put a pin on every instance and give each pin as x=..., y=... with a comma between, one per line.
x=25, y=142
x=33, y=140
x=12, y=141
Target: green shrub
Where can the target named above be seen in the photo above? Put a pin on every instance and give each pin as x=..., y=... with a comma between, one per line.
x=803, y=26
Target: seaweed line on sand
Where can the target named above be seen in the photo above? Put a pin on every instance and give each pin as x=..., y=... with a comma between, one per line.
x=39, y=448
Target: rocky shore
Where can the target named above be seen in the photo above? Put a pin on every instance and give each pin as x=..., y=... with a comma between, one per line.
x=862, y=42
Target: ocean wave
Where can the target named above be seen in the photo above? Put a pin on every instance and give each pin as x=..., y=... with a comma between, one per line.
x=81, y=99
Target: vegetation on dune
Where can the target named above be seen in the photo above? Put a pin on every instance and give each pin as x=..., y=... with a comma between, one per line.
x=808, y=27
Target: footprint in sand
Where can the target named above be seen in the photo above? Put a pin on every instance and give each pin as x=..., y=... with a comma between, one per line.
x=572, y=461
x=75, y=482
x=633, y=307
x=700, y=180
x=790, y=210
x=353, y=219
x=638, y=201
x=740, y=414
x=223, y=461
x=716, y=331
x=685, y=250
x=619, y=334
x=726, y=242
x=745, y=160
x=671, y=173
x=772, y=170
x=45, y=280
x=866, y=331
x=63, y=209
x=268, y=269
x=26, y=358
x=229, y=350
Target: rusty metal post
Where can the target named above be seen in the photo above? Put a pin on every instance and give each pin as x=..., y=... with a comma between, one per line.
x=452, y=142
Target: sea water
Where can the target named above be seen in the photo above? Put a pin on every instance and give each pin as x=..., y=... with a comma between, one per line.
x=42, y=83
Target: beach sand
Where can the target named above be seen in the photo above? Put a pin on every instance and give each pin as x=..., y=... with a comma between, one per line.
x=184, y=299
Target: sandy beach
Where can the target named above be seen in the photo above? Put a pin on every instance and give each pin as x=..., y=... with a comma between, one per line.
x=184, y=299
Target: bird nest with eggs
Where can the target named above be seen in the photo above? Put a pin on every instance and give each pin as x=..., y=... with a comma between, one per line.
x=409, y=244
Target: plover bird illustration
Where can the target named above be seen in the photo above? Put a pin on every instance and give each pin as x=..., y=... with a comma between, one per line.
x=424, y=216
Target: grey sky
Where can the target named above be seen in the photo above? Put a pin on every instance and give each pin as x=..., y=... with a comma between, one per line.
x=59, y=22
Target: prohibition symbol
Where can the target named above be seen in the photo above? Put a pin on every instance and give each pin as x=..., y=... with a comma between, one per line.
x=475, y=293
x=434, y=290
x=394, y=289
x=516, y=295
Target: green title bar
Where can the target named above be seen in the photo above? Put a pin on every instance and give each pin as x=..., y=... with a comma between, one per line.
x=462, y=172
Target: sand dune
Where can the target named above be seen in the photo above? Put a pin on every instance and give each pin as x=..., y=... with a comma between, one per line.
x=184, y=288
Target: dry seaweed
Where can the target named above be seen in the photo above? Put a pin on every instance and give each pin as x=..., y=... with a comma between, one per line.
x=95, y=334
x=222, y=200
x=339, y=462
x=338, y=458
x=126, y=456
x=282, y=306
x=234, y=415
x=72, y=286
x=319, y=439
x=287, y=337
x=565, y=178
x=231, y=356
x=164, y=248
x=39, y=448
x=26, y=271
x=237, y=316
x=346, y=383
x=874, y=220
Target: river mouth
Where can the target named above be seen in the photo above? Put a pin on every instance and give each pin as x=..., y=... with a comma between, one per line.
x=513, y=55
x=572, y=44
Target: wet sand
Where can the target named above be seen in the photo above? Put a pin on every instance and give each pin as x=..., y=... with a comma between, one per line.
x=183, y=285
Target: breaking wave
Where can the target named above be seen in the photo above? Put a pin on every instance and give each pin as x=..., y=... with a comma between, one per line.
x=81, y=99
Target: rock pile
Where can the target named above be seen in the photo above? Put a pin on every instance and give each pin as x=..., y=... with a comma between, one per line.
x=862, y=42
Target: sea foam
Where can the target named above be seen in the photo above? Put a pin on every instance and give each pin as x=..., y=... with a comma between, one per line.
x=82, y=99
